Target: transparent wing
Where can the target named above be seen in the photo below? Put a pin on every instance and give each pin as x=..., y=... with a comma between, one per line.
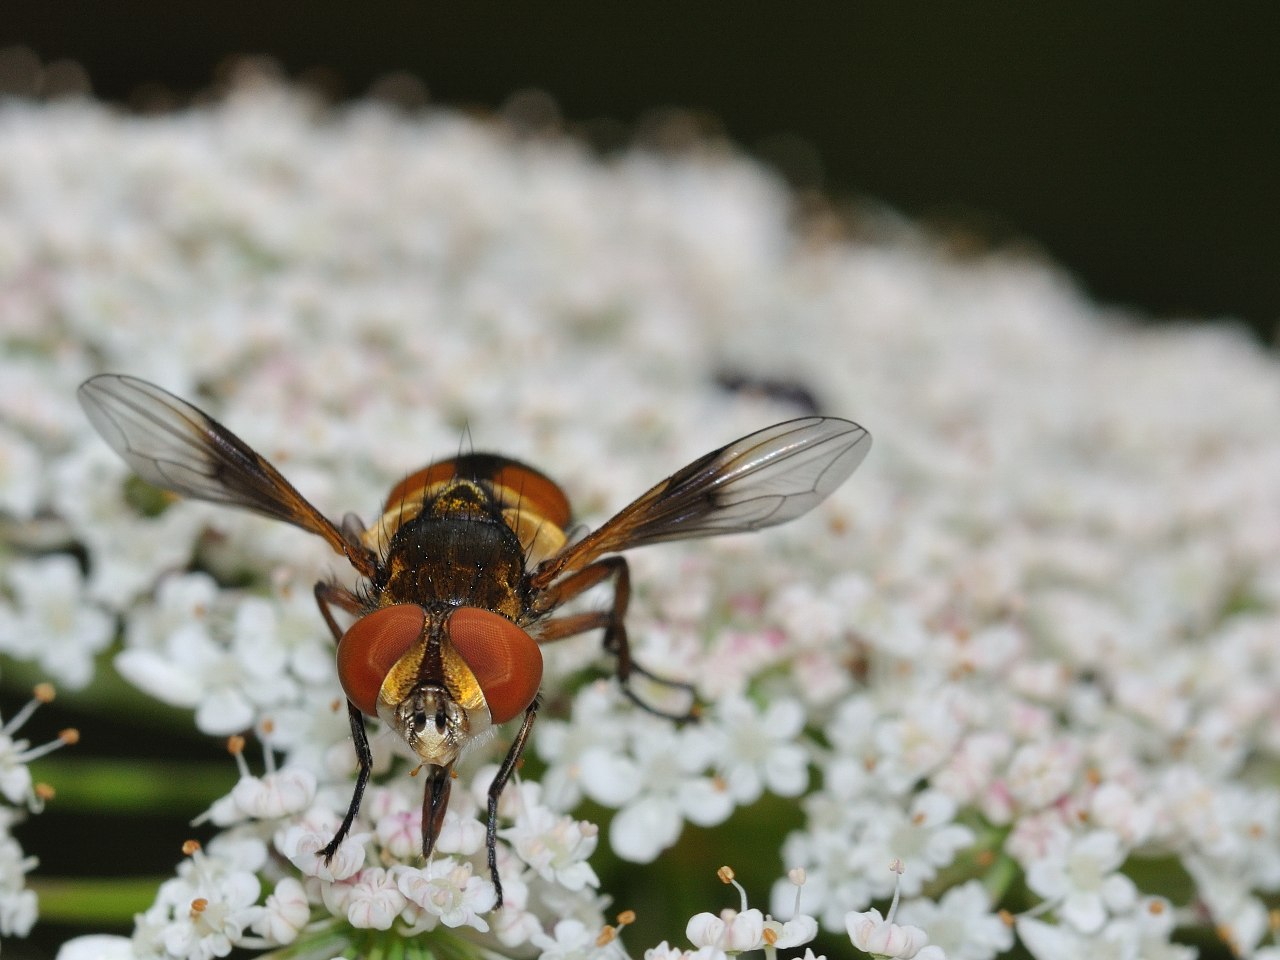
x=766, y=478
x=175, y=446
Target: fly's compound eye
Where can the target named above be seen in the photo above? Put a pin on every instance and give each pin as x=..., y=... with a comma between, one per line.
x=373, y=645
x=506, y=661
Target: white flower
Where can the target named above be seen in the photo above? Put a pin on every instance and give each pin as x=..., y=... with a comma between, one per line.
x=657, y=786
x=961, y=923
x=760, y=750
x=556, y=848
x=374, y=899
x=730, y=932
x=1041, y=773
x=204, y=912
x=1081, y=880
x=275, y=794
x=18, y=907
x=284, y=914
x=924, y=837
x=571, y=940
x=54, y=623
x=97, y=946
x=20, y=475
x=302, y=844
x=870, y=932
x=225, y=684
x=450, y=890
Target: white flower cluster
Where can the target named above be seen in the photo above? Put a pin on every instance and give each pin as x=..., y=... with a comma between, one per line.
x=1030, y=649
x=19, y=795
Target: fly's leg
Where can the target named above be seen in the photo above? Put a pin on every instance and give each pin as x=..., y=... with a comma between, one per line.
x=329, y=595
x=495, y=793
x=613, y=620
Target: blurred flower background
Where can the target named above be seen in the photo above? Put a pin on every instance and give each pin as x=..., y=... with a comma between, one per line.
x=1016, y=687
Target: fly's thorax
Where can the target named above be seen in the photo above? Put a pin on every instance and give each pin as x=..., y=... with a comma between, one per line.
x=524, y=499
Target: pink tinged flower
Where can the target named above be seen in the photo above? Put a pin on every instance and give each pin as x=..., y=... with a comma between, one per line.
x=970, y=771
x=871, y=933
x=1041, y=773
x=400, y=833
x=450, y=890
x=275, y=794
x=301, y=845
x=374, y=900
x=730, y=932
x=556, y=848
x=1081, y=880
x=461, y=833
x=285, y=913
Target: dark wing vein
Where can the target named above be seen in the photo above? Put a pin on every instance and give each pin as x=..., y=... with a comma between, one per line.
x=766, y=478
x=173, y=445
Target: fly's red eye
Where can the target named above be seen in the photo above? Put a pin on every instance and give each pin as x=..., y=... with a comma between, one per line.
x=368, y=651
x=506, y=661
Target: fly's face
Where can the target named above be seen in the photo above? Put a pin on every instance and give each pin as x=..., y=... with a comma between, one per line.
x=438, y=678
x=467, y=554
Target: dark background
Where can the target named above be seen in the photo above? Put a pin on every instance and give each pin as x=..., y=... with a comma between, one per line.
x=1136, y=144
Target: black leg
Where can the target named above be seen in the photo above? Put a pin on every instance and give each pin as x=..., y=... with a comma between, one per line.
x=495, y=794
x=613, y=621
x=327, y=594
x=364, y=756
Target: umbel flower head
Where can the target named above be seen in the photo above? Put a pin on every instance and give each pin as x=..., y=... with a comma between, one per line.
x=1030, y=652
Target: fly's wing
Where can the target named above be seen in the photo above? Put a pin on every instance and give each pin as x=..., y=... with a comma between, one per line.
x=766, y=478
x=175, y=446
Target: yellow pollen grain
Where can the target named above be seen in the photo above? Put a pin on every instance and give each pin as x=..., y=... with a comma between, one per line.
x=198, y=906
x=235, y=745
x=44, y=791
x=725, y=874
x=1006, y=918
x=69, y=736
x=44, y=692
x=770, y=936
x=189, y=847
x=626, y=918
x=607, y=936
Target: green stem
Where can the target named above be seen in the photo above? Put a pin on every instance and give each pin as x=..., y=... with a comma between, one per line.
x=93, y=902
x=132, y=786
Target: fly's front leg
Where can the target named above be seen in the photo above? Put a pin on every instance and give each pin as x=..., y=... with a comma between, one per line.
x=613, y=620
x=330, y=595
x=495, y=793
